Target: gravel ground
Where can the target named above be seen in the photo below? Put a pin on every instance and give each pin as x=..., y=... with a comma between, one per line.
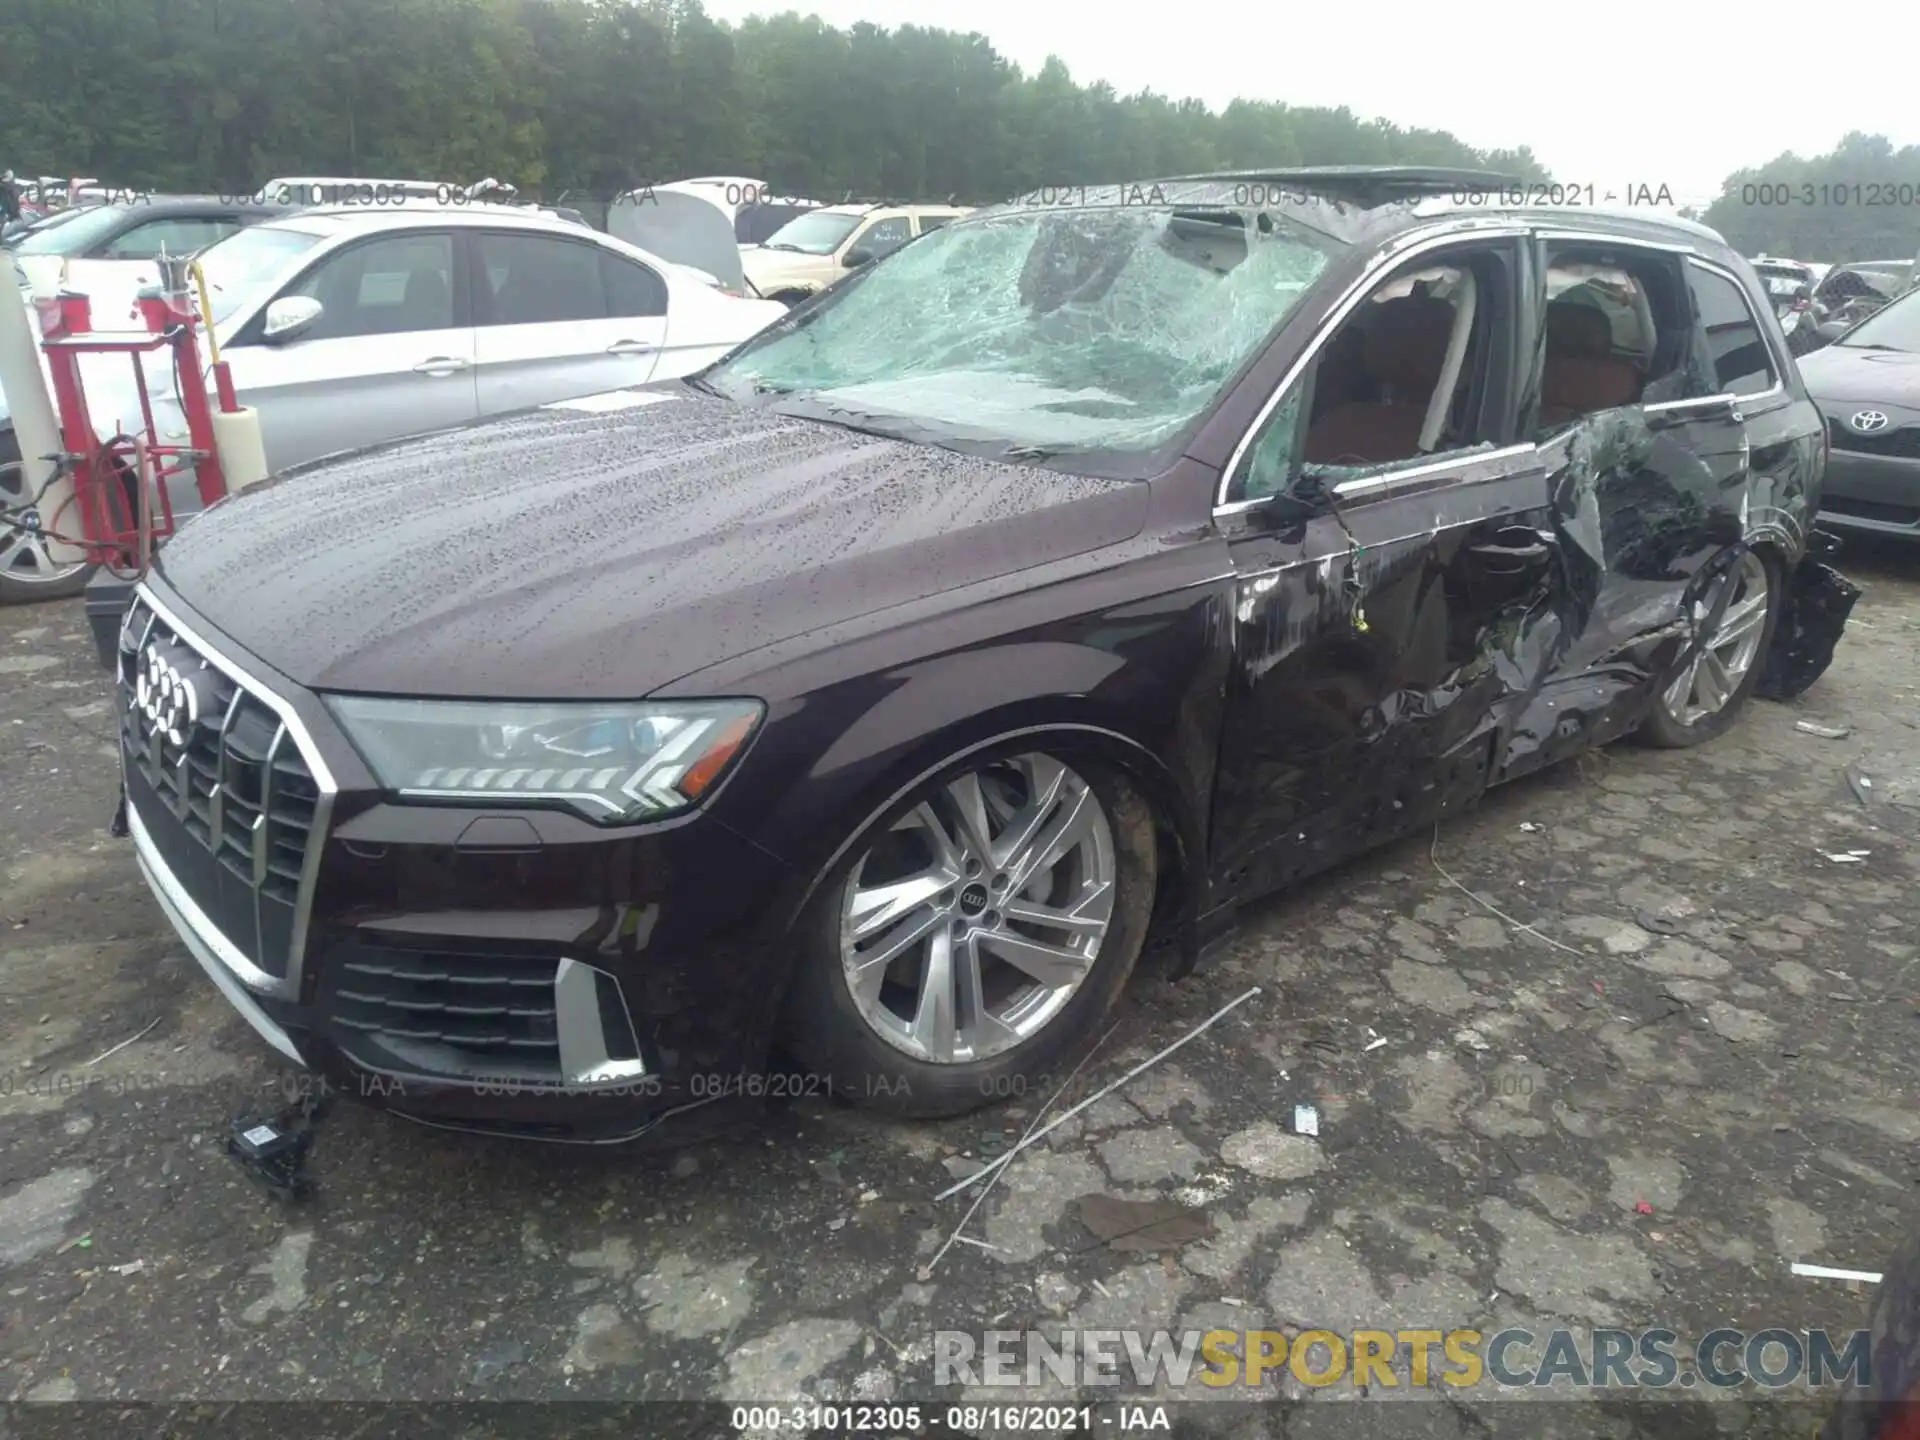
x=1698, y=1066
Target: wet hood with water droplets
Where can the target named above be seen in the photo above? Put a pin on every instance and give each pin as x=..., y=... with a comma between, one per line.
x=558, y=554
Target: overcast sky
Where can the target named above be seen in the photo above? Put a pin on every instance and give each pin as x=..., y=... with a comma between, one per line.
x=1626, y=92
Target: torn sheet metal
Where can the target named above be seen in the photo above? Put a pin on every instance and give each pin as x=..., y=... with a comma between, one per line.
x=1813, y=613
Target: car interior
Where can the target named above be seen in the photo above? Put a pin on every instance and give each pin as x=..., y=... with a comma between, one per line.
x=1393, y=383
x=1616, y=332
x=387, y=287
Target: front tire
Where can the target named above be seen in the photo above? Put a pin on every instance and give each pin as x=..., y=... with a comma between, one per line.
x=1702, y=700
x=970, y=941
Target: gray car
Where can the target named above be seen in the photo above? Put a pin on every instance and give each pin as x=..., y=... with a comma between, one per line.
x=1867, y=385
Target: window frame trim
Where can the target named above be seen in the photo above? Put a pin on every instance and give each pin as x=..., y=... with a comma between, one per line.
x=1384, y=264
x=1779, y=386
x=250, y=332
x=476, y=234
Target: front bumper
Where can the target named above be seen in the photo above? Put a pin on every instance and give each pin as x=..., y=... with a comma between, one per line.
x=1877, y=494
x=517, y=972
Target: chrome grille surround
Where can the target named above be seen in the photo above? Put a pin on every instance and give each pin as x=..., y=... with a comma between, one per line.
x=248, y=786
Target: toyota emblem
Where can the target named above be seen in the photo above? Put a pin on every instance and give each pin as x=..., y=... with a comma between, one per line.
x=167, y=696
x=1868, y=421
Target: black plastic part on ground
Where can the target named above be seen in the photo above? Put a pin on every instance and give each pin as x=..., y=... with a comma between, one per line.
x=273, y=1149
x=1818, y=601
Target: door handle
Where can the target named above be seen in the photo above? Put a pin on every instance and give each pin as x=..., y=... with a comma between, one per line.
x=631, y=347
x=442, y=365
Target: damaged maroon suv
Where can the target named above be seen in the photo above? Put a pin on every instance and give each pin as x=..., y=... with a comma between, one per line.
x=1080, y=568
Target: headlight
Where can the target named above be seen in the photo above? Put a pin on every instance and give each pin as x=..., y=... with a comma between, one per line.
x=614, y=764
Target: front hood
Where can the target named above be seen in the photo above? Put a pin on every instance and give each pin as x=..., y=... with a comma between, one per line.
x=1846, y=374
x=773, y=267
x=562, y=553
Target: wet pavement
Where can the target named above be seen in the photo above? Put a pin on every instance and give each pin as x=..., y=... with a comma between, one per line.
x=1699, y=1064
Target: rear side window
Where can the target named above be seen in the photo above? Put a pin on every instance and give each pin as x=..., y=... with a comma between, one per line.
x=535, y=280
x=1615, y=332
x=1735, y=354
x=632, y=288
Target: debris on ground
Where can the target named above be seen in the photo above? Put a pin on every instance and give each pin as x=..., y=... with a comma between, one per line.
x=1306, y=1120
x=1641, y=1207
x=1655, y=924
x=1825, y=732
x=1143, y=1225
x=1861, y=784
x=1827, y=1272
x=1847, y=857
x=273, y=1151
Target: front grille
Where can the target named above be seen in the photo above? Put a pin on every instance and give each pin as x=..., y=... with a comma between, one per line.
x=1900, y=444
x=232, y=808
x=449, y=1013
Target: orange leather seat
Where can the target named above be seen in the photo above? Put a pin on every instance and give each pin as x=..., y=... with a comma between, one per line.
x=1581, y=374
x=1404, y=343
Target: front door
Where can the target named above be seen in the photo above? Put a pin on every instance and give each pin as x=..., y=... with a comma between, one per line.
x=391, y=354
x=1397, y=578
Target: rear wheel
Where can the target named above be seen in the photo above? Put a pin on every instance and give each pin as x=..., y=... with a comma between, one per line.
x=973, y=938
x=1703, y=699
x=27, y=571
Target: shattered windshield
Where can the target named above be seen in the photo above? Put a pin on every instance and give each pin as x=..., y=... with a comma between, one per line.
x=1040, y=334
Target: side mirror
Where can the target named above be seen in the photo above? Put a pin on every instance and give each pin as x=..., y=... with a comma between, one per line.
x=858, y=256
x=290, y=317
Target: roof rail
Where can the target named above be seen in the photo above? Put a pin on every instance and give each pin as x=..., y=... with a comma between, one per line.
x=1376, y=179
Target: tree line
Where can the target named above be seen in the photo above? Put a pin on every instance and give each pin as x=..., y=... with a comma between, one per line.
x=587, y=98
x=1859, y=201
x=594, y=97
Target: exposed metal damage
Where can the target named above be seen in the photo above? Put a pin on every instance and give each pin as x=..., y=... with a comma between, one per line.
x=1813, y=614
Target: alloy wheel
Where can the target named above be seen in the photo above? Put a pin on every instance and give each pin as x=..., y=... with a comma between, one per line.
x=1725, y=657
x=24, y=558
x=970, y=924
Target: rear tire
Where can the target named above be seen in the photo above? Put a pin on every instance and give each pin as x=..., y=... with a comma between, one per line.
x=1701, y=701
x=903, y=995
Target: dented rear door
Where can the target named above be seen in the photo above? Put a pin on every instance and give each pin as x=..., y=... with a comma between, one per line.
x=1645, y=498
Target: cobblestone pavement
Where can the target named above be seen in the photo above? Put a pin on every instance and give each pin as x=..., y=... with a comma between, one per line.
x=1699, y=1066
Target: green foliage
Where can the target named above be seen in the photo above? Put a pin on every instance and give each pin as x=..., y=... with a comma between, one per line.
x=597, y=96
x=1860, y=201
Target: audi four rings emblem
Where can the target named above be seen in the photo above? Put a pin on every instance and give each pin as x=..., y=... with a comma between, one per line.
x=167, y=697
x=1867, y=421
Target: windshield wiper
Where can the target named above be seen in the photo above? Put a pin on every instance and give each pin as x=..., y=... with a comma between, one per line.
x=783, y=245
x=1870, y=345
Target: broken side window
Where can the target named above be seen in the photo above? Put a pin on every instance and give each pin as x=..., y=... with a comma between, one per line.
x=1614, y=333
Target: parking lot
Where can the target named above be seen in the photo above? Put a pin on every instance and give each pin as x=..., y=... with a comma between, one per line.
x=1698, y=1067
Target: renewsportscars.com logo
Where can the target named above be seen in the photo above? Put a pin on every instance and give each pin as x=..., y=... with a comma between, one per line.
x=1773, y=1359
